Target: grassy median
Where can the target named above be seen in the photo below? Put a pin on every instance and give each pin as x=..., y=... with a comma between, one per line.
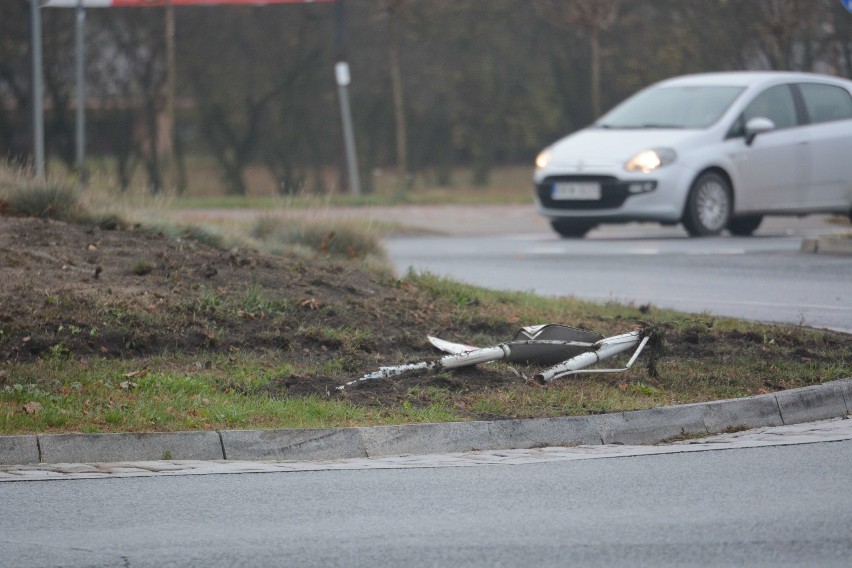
x=115, y=325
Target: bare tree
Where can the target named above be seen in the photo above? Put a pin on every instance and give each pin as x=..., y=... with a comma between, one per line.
x=393, y=12
x=15, y=83
x=593, y=17
x=131, y=51
x=786, y=27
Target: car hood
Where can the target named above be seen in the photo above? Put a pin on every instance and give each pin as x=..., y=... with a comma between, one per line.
x=600, y=146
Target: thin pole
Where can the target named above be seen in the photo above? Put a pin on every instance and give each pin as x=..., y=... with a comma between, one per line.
x=81, y=93
x=171, y=80
x=38, y=91
x=341, y=72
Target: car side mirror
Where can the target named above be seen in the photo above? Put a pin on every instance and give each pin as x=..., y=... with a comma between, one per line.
x=755, y=126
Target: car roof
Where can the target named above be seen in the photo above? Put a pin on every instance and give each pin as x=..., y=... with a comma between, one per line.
x=749, y=78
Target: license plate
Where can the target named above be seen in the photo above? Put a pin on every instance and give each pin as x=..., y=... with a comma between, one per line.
x=576, y=191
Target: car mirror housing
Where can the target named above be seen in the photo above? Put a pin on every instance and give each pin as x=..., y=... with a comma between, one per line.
x=755, y=126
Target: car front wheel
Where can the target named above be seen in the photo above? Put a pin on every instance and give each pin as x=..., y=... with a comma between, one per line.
x=570, y=228
x=708, y=208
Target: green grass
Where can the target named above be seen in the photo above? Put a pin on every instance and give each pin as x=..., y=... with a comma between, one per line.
x=96, y=397
x=197, y=391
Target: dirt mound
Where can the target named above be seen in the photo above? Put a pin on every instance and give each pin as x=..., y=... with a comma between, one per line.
x=78, y=292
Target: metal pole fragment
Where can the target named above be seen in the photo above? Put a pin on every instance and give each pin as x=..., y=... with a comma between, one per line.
x=485, y=355
x=605, y=348
x=387, y=372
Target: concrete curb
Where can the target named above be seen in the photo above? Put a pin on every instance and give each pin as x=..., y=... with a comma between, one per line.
x=832, y=244
x=829, y=400
x=132, y=446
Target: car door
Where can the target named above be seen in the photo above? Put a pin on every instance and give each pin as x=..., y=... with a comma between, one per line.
x=771, y=171
x=829, y=135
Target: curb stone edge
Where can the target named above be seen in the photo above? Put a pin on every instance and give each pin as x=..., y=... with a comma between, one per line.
x=650, y=426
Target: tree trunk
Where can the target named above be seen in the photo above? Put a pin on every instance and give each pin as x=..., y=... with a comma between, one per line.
x=595, y=49
x=398, y=103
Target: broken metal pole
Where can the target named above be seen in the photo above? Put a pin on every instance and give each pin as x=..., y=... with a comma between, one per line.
x=603, y=349
x=447, y=362
x=388, y=372
x=572, y=356
x=484, y=355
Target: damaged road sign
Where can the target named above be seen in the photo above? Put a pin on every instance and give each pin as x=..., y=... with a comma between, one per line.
x=568, y=350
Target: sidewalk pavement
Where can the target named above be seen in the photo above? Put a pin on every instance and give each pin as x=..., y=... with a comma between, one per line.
x=795, y=406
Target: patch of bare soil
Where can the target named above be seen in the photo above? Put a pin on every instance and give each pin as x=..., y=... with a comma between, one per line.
x=83, y=292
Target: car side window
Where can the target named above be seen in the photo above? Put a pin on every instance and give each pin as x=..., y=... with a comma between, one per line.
x=826, y=103
x=775, y=103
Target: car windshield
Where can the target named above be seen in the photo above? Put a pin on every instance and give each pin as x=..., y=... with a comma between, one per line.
x=672, y=107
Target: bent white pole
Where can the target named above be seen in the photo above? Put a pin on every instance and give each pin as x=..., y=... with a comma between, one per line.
x=484, y=355
x=604, y=348
x=598, y=351
x=447, y=362
x=388, y=372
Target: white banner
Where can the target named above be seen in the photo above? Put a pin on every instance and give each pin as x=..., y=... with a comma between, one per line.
x=160, y=3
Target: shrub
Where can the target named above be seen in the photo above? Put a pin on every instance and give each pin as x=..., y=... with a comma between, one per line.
x=338, y=239
x=48, y=201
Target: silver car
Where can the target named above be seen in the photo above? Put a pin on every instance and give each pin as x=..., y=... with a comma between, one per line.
x=713, y=151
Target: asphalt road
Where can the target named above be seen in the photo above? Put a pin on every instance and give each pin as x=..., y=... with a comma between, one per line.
x=767, y=506
x=762, y=278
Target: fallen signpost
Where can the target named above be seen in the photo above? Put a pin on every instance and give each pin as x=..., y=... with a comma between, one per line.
x=568, y=351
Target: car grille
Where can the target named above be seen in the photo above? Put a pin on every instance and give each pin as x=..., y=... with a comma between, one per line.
x=613, y=193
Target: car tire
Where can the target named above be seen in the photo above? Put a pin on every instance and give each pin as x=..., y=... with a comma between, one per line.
x=708, y=207
x=571, y=228
x=745, y=226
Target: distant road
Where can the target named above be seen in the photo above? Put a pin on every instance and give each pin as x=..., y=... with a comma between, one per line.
x=762, y=278
x=483, y=220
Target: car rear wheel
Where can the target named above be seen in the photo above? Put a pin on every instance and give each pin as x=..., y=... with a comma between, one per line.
x=571, y=228
x=708, y=208
x=745, y=226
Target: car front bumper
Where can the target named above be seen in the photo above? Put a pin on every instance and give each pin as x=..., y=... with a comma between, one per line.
x=659, y=196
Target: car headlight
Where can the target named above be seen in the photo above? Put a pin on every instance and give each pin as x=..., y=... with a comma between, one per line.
x=543, y=159
x=649, y=160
